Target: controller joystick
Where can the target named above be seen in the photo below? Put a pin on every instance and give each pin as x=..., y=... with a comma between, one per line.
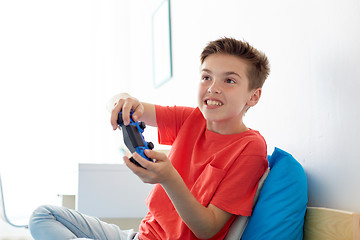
x=133, y=138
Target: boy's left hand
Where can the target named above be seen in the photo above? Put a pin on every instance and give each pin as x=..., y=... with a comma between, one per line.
x=159, y=171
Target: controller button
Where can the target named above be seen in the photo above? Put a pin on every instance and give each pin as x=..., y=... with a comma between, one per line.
x=142, y=125
x=150, y=145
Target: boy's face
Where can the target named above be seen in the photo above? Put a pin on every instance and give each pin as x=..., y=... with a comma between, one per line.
x=224, y=94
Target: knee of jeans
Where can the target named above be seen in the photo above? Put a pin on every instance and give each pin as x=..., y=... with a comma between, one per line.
x=41, y=213
x=39, y=219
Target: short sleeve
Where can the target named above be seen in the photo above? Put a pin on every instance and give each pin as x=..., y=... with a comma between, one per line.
x=236, y=192
x=169, y=121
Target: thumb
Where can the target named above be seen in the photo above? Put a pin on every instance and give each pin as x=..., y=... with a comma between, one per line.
x=158, y=156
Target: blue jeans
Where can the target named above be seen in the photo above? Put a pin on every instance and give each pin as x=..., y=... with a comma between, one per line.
x=59, y=223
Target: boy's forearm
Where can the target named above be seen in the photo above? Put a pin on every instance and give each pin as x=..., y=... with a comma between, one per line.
x=202, y=221
x=149, y=116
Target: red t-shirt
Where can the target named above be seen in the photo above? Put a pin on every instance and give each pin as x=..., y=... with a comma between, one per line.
x=223, y=170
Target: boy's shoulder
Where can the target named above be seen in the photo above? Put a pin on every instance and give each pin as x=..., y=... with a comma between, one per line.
x=255, y=143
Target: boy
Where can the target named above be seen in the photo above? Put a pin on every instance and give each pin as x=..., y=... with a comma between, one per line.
x=213, y=167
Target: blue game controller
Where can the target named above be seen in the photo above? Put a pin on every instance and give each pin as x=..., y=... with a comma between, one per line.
x=133, y=137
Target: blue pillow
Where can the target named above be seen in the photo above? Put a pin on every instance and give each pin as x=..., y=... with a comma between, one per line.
x=280, y=210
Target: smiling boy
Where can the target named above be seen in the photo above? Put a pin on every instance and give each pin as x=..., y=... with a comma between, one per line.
x=211, y=173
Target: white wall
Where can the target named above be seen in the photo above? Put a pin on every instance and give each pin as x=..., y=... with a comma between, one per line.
x=308, y=106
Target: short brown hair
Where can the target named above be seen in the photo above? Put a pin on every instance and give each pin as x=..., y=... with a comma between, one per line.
x=259, y=68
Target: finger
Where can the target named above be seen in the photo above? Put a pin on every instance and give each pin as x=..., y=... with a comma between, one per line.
x=142, y=173
x=138, y=112
x=157, y=156
x=115, y=114
x=126, y=108
x=132, y=166
x=142, y=161
x=127, y=162
x=134, y=105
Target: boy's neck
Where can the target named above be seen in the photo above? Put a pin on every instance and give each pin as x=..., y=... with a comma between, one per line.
x=225, y=128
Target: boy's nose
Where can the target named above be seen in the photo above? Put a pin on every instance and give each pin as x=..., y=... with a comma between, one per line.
x=214, y=88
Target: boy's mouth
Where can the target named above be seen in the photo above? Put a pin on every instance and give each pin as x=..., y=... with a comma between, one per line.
x=213, y=102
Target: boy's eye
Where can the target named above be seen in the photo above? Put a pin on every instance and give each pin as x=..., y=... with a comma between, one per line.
x=205, y=78
x=229, y=81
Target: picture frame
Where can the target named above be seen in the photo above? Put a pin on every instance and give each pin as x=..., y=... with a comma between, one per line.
x=161, y=44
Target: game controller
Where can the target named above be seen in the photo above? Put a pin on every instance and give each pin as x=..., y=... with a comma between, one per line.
x=133, y=138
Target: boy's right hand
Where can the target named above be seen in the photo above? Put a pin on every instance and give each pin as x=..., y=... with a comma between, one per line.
x=125, y=103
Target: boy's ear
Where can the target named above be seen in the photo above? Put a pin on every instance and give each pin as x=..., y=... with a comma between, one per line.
x=255, y=97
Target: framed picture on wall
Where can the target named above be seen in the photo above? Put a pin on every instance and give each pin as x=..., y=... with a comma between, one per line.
x=161, y=44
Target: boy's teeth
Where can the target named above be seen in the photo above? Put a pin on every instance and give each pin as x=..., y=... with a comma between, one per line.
x=214, y=103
